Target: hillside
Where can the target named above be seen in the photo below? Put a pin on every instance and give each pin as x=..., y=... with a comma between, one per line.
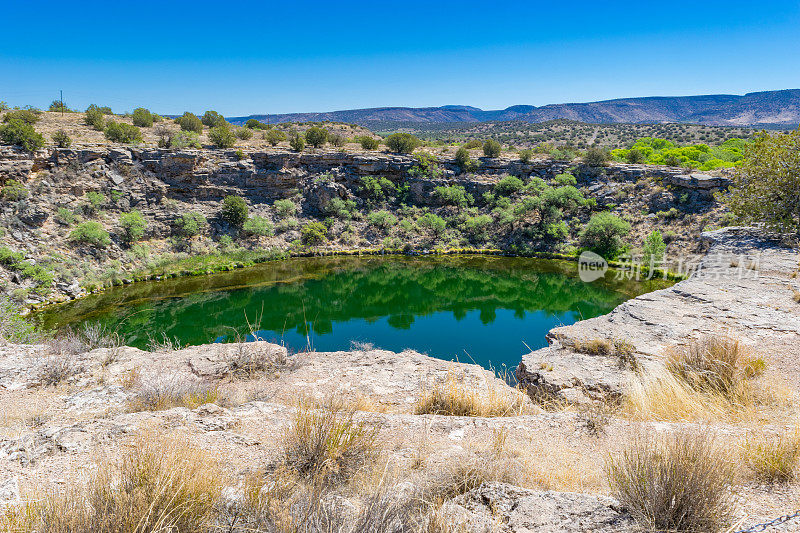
x=759, y=108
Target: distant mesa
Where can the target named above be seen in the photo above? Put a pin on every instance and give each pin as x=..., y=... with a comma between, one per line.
x=766, y=108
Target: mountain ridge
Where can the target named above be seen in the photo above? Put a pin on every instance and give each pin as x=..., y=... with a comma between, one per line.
x=780, y=107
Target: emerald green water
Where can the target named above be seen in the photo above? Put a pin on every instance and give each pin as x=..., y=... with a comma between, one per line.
x=481, y=309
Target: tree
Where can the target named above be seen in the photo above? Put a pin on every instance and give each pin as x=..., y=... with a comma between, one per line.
x=464, y=161
x=316, y=136
x=22, y=134
x=59, y=106
x=603, y=234
x=766, y=185
x=122, y=133
x=142, y=117
x=635, y=156
x=369, y=143
x=212, y=118
x=273, y=136
x=61, y=139
x=297, y=142
x=190, y=122
x=402, y=143
x=254, y=124
x=222, y=136
x=234, y=210
x=492, y=148
x=94, y=118
x=596, y=157
x=653, y=249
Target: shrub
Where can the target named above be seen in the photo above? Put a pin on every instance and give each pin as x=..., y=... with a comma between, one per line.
x=376, y=189
x=65, y=216
x=476, y=227
x=473, y=144
x=133, y=225
x=773, y=459
x=653, y=249
x=184, y=139
x=94, y=202
x=314, y=233
x=492, y=148
x=297, y=142
x=457, y=397
x=61, y=139
x=285, y=207
x=402, y=143
x=316, y=136
x=212, y=118
x=22, y=134
x=453, y=195
x=464, y=161
x=142, y=117
x=28, y=116
x=604, y=234
x=259, y=226
x=190, y=122
x=273, y=137
x=13, y=191
x=369, y=143
x=58, y=106
x=678, y=482
x=222, y=136
x=345, y=209
x=234, y=210
x=382, y=219
x=244, y=134
x=190, y=224
x=565, y=179
x=94, y=118
x=635, y=156
x=90, y=233
x=122, y=133
x=596, y=157
x=337, y=140
x=425, y=166
x=432, y=224
x=526, y=155
x=508, y=185
x=254, y=124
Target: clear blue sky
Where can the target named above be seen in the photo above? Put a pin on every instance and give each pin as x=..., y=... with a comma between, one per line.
x=274, y=57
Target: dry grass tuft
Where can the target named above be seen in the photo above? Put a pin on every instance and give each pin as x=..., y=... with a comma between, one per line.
x=158, y=486
x=677, y=482
x=620, y=348
x=773, y=459
x=158, y=393
x=456, y=397
x=796, y=296
x=715, y=365
x=251, y=360
x=54, y=369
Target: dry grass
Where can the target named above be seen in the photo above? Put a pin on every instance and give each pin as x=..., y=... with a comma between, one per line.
x=158, y=486
x=54, y=369
x=158, y=393
x=677, y=482
x=772, y=459
x=796, y=296
x=456, y=397
x=252, y=360
x=619, y=348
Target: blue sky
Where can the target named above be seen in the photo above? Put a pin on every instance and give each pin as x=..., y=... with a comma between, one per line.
x=264, y=57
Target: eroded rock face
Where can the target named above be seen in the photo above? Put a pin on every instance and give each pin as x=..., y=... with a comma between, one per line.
x=741, y=288
x=502, y=508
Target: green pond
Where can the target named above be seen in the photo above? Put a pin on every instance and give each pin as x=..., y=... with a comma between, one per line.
x=484, y=309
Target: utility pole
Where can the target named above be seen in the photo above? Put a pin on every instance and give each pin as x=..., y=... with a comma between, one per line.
x=61, y=98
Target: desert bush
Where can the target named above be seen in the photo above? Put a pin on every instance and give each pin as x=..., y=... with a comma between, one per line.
x=402, y=143
x=369, y=143
x=635, y=156
x=464, y=161
x=259, y=226
x=297, y=142
x=314, y=233
x=19, y=133
x=222, y=136
x=772, y=458
x=184, y=139
x=190, y=224
x=90, y=233
x=133, y=225
x=337, y=140
x=476, y=227
x=456, y=397
x=94, y=202
x=425, y=166
x=316, y=136
x=65, y=216
x=58, y=106
x=61, y=139
x=27, y=116
x=250, y=360
x=377, y=190
x=508, y=185
x=53, y=369
x=675, y=482
x=162, y=392
x=492, y=148
x=13, y=326
x=432, y=224
x=244, y=134
x=190, y=122
x=565, y=179
x=254, y=124
x=342, y=209
x=14, y=191
x=122, y=133
x=382, y=219
x=84, y=338
x=453, y=195
x=274, y=136
x=604, y=234
x=212, y=118
x=525, y=156
x=596, y=157
x=94, y=118
x=473, y=144
x=285, y=207
x=142, y=117
x=234, y=210
x=653, y=249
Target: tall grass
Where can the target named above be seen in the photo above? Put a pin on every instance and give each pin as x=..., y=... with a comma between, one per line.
x=457, y=397
x=773, y=459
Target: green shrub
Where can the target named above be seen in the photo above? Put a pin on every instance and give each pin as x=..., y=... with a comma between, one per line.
x=314, y=233
x=473, y=144
x=240, y=155
x=369, y=143
x=425, y=166
x=526, y=155
x=212, y=118
x=259, y=226
x=566, y=179
x=58, y=106
x=316, y=137
x=562, y=154
x=190, y=224
x=184, y=139
x=142, y=117
x=337, y=140
x=453, y=195
x=16, y=261
x=376, y=190
x=344, y=209
x=402, y=143
x=94, y=202
x=122, y=133
x=190, y=122
x=596, y=157
x=22, y=134
x=508, y=185
x=432, y=224
x=94, y=118
x=464, y=161
x=234, y=210
x=492, y=148
x=65, y=216
x=635, y=156
x=90, y=233
x=273, y=137
x=61, y=139
x=244, y=134
x=28, y=116
x=604, y=234
x=285, y=207
x=221, y=136
x=13, y=191
x=653, y=249
x=476, y=227
x=297, y=142
x=133, y=225
x=254, y=124
x=382, y=219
